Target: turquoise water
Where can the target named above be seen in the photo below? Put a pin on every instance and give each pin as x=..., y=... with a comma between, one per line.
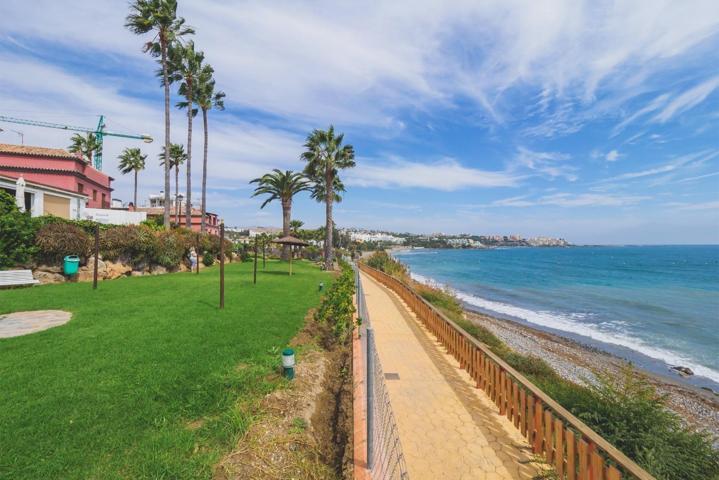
x=656, y=305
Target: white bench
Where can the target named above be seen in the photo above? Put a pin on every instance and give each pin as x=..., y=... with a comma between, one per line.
x=16, y=278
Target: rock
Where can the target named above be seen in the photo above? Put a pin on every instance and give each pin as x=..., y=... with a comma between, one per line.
x=135, y=273
x=85, y=274
x=158, y=270
x=101, y=266
x=46, y=277
x=710, y=390
x=683, y=371
x=117, y=270
x=50, y=268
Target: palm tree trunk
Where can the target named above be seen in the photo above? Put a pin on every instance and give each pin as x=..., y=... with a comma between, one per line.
x=286, y=215
x=177, y=191
x=329, y=200
x=204, y=174
x=166, y=214
x=188, y=200
x=135, y=197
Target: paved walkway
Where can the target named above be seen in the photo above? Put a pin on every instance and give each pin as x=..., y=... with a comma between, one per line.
x=22, y=323
x=447, y=427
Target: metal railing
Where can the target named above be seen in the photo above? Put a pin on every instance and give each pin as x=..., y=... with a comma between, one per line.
x=574, y=450
x=385, y=459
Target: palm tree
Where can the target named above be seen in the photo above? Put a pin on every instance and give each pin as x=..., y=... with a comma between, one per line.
x=85, y=145
x=325, y=156
x=177, y=158
x=160, y=17
x=185, y=66
x=206, y=99
x=132, y=160
x=295, y=226
x=281, y=186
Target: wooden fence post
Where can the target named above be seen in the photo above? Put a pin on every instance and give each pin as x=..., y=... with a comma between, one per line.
x=222, y=265
x=97, y=255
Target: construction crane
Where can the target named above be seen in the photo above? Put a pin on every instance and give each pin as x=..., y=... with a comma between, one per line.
x=99, y=132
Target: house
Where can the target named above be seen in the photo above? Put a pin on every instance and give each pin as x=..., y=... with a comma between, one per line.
x=59, y=169
x=46, y=200
x=212, y=220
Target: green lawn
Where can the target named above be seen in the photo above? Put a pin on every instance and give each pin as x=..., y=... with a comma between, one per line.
x=118, y=391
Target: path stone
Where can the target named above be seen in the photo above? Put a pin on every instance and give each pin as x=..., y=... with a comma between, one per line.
x=23, y=323
x=447, y=427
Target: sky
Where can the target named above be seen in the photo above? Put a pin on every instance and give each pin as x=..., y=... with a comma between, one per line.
x=593, y=121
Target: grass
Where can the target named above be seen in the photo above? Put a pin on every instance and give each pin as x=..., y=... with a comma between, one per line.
x=149, y=379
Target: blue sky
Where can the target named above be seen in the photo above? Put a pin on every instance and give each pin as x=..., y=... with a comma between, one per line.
x=594, y=121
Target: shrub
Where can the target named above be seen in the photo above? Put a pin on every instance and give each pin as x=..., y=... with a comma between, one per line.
x=171, y=247
x=131, y=244
x=243, y=251
x=337, y=307
x=208, y=259
x=18, y=232
x=382, y=261
x=56, y=240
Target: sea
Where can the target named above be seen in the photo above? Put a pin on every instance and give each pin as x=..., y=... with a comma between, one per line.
x=657, y=306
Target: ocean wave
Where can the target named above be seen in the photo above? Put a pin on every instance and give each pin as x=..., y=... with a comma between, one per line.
x=570, y=323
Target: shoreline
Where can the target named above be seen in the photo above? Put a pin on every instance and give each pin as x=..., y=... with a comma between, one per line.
x=575, y=361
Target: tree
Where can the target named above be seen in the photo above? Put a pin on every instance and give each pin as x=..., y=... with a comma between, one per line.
x=185, y=66
x=295, y=226
x=132, y=160
x=160, y=17
x=177, y=158
x=325, y=156
x=86, y=145
x=281, y=186
x=17, y=246
x=207, y=98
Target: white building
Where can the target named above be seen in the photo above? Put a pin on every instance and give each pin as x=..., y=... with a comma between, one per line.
x=376, y=237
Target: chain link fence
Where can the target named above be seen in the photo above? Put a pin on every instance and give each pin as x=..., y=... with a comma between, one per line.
x=384, y=450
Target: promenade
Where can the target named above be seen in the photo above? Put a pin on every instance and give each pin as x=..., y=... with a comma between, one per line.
x=447, y=427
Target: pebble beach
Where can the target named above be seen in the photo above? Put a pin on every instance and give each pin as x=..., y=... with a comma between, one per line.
x=578, y=362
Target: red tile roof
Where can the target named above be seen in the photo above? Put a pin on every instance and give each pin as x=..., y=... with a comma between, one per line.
x=37, y=151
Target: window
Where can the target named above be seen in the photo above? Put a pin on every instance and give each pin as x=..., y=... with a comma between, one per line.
x=80, y=188
x=104, y=201
x=94, y=195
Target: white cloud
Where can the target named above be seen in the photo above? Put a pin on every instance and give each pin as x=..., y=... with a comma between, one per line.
x=612, y=156
x=711, y=205
x=687, y=100
x=572, y=200
x=547, y=164
x=359, y=63
x=696, y=159
x=652, y=106
x=446, y=174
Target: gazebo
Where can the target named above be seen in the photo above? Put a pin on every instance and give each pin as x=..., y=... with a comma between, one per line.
x=291, y=241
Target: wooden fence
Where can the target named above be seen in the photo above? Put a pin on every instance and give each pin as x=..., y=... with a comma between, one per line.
x=574, y=450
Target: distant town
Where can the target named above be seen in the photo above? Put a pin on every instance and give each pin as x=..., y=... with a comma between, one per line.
x=379, y=239
x=443, y=240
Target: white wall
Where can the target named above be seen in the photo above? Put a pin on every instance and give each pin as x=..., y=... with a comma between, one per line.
x=114, y=217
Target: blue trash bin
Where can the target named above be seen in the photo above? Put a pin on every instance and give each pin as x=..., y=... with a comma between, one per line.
x=71, y=264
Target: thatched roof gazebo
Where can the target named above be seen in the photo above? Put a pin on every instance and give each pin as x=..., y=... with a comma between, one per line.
x=291, y=241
